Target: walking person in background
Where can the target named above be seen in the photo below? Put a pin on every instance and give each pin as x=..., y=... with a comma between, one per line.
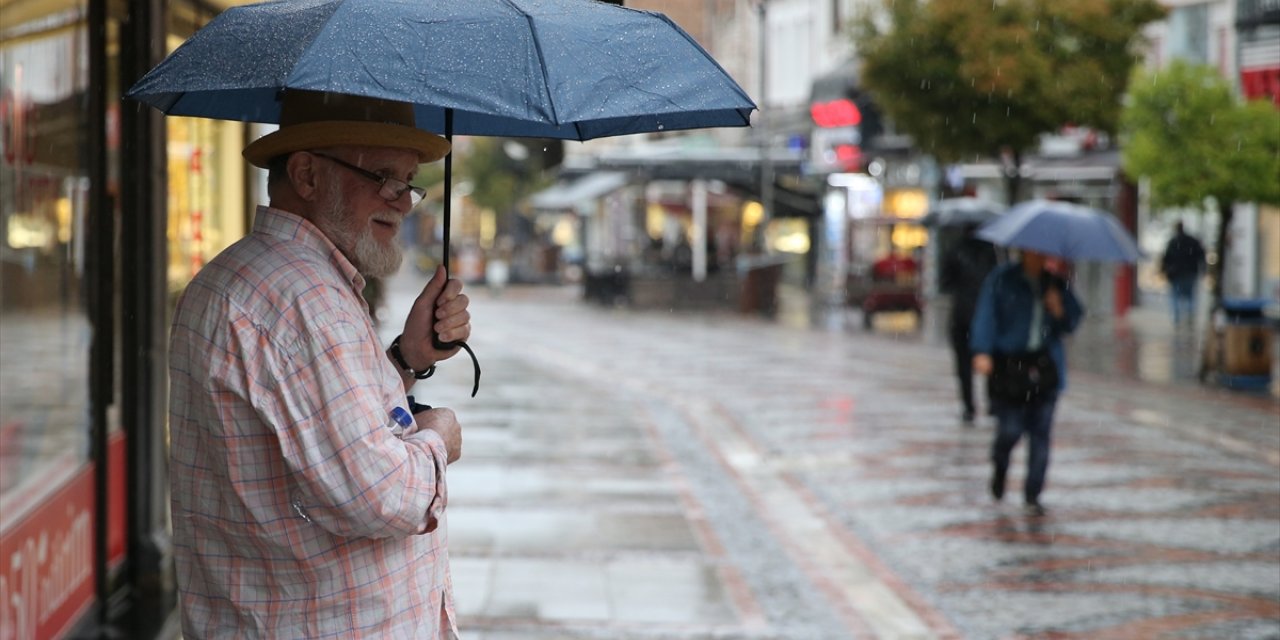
x=963, y=271
x=308, y=497
x=1182, y=264
x=1021, y=316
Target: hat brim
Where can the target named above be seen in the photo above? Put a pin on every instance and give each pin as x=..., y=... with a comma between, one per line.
x=336, y=133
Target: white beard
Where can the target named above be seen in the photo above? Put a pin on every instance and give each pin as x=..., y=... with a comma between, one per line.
x=370, y=257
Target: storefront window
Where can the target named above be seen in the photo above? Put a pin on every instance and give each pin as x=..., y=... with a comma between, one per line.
x=44, y=187
x=207, y=210
x=206, y=193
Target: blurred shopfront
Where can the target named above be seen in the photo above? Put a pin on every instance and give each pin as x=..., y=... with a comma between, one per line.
x=106, y=209
x=690, y=229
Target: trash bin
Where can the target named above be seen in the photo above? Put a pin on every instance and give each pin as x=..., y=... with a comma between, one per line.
x=759, y=276
x=1273, y=318
x=1245, y=339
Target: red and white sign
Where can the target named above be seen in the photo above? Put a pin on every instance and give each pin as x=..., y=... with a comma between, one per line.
x=46, y=564
x=46, y=555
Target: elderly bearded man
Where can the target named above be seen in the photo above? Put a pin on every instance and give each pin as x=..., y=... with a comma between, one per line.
x=306, y=502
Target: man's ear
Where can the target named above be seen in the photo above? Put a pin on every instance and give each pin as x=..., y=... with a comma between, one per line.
x=301, y=169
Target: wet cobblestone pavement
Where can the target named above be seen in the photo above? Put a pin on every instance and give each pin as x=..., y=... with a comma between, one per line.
x=652, y=475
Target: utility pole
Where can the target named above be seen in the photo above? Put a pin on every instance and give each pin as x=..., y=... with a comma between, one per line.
x=766, y=159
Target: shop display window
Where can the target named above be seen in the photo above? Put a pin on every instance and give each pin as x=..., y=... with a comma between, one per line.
x=45, y=332
x=206, y=193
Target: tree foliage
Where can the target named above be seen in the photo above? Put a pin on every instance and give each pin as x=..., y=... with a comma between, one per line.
x=968, y=78
x=499, y=181
x=1186, y=132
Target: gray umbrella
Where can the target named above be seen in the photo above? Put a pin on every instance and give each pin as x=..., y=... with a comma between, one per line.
x=956, y=212
x=1062, y=229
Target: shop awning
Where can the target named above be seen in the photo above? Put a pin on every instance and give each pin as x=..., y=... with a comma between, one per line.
x=737, y=167
x=568, y=194
x=787, y=202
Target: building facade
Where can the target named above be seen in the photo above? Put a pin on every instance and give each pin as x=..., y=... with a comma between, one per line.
x=1241, y=39
x=106, y=210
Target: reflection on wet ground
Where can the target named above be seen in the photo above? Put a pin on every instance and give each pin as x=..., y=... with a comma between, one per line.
x=637, y=475
x=1143, y=345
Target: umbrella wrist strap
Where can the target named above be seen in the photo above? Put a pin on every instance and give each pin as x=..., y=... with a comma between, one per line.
x=475, y=364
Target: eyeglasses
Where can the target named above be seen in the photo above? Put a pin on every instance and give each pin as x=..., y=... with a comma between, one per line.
x=391, y=188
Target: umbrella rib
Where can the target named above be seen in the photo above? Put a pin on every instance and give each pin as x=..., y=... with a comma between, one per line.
x=315, y=37
x=746, y=117
x=542, y=61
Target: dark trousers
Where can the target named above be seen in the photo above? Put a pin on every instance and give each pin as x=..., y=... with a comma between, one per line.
x=959, y=334
x=1183, y=298
x=1036, y=420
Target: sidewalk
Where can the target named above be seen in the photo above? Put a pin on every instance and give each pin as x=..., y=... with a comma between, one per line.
x=1143, y=346
x=1140, y=355
x=635, y=475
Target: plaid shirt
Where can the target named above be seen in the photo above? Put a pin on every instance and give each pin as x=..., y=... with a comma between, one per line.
x=296, y=512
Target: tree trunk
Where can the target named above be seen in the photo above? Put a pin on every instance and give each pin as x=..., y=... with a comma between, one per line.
x=1218, y=270
x=1013, y=178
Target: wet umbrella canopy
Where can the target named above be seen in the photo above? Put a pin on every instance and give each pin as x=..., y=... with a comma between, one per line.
x=1062, y=229
x=567, y=69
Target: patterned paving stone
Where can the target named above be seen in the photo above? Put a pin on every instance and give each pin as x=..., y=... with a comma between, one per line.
x=655, y=475
x=1204, y=534
x=1237, y=577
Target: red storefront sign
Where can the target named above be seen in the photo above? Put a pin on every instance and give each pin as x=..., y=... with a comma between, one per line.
x=46, y=564
x=1261, y=84
x=46, y=556
x=835, y=113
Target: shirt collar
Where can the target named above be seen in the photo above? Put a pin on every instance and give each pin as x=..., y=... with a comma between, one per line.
x=282, y=224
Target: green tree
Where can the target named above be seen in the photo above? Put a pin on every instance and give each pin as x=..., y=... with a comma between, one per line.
x=970, y=79
x=499, y=181
x=1186, y=132
x=500, y=178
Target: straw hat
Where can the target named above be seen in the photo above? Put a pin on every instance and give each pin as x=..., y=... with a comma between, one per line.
x=315, y=120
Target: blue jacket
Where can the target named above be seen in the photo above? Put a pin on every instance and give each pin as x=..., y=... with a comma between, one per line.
x=1002, y=319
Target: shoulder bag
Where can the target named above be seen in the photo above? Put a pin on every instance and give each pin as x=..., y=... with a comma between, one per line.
x=1022, y=378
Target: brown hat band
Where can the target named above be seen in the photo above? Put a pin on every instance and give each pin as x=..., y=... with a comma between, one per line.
x=315, y=120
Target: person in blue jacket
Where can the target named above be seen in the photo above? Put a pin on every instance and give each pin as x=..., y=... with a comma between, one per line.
x=1023, y=309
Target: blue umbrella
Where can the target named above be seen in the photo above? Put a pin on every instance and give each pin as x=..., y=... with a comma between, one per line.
x=568, y=69
x=1062, y=229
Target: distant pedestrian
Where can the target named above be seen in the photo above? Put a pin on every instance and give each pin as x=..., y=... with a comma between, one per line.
x=963, y=271
x=307, y=490
x=1182, y=264
x=1021, y=316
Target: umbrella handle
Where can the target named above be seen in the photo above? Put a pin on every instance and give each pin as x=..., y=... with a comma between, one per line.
x=448, y=203
x=475, y=364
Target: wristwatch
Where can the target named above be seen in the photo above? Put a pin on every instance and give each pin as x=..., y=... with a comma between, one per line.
x=400, y=361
